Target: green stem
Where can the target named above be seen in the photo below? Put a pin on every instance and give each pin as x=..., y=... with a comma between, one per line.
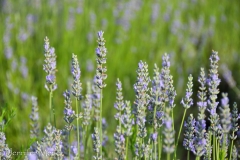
x=168, y=156
x=69, y=149
x=230, y=157
x=100, y=124
x=210, y=135
x=173, y=121
x=85, y=141
x=78, y=134
x=160, y=146
x=179, y=133
x=155, y=149
x=214, y=147
x=50, y=105
x=126, y=156
x=188, y=155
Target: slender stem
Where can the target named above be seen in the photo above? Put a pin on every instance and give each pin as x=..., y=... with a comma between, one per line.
x=214, y=147
x=210, y=135
x=168, y=156
x=154, y=121
x=173, y=121
x=218, y=146
x=179, y=133
x=69, y=150
x=85, y=140
x=160, y=146
x=188, y=155
x=126, y=156
x=197, y=158
x=100, y=123
x=230, y=157
x=155, y=149
x=50, y=105
x=78, y=134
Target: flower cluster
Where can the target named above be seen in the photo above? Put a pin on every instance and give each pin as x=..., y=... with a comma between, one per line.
x=101, y=60
x=34, y=116
x=77, y=85
x=50, y=66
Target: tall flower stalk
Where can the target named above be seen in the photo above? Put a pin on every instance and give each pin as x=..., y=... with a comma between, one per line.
x=187, y=102
x=141, y=102
x=118, y=135
x=76, y=91
x=69, y=116
x=188, y=141
x=226, y=125
x=127, y=124
x=101, y=76
x=213, y=83
x=49, y=67
x=202, y=103
x=235, y=118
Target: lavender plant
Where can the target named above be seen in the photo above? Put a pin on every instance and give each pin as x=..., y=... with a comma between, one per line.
x=50, y=68
x=141, y=102
x=101, y=75
x=76, y=91
x=5, y=152
x=118, y=135
x=226, y=125
x=69, y=116
x=213, y=83
x=187, y=102
x=202, y=104
x=234, y=128
x=188, y=141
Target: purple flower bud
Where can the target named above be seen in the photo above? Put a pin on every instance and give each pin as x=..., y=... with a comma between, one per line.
x=100, y=34
x=122, y=139
x=154, y=136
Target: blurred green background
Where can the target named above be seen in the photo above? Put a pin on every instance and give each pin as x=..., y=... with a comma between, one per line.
x=134, y=30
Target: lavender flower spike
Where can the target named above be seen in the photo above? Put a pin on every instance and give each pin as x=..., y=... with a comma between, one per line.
x=69, y=113
x=188, y=141
x=5, y=152
x=101, y=60
x=50, y=66
x=213, y=83
x=77, y=85
x=187, y=102
x=202, y=104
x=34, y=117
x=225, y=114
x=168, y=133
